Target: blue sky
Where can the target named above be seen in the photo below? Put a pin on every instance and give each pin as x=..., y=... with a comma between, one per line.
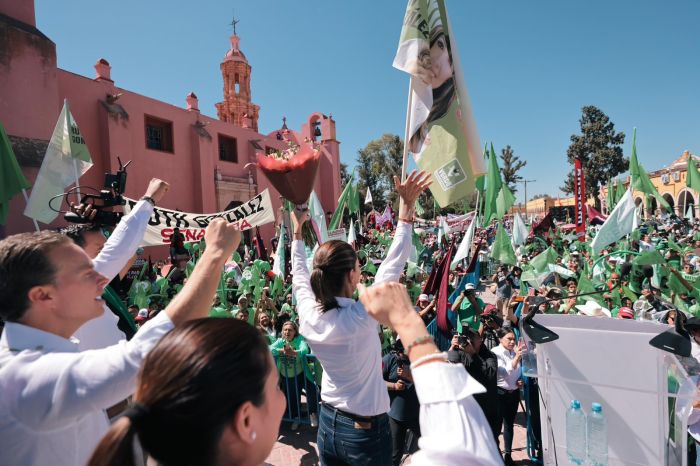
x=530, y=66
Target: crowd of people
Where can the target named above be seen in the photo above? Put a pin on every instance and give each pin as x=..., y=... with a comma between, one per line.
x=201, y=355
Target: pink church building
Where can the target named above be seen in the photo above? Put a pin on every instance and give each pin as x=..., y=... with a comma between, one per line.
x=203, y=158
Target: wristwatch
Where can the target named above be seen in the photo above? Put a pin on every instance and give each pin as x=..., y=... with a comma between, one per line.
x=149, y=199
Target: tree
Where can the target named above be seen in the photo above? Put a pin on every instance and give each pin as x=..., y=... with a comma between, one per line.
x=540, y=196
x=599, y=148
x=344, y=175
x=377, y=164
x=511, y=166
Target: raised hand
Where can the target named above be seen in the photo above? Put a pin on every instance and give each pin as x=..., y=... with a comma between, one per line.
x=299, y=218
x=157, y=189
x=222, y=237
x=410, y=189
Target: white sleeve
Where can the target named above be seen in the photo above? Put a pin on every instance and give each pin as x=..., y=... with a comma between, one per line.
x=301, y=284
x=507, y=371
x=454, y=430
x=392, y=266
x=124, y=240
x=44, y=390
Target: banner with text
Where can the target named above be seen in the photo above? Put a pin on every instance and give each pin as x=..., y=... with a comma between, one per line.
x=256, y=212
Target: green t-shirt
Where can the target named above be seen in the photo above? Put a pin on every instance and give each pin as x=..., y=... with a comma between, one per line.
x=468, y=314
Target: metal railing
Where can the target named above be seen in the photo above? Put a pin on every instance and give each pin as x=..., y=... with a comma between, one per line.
x=300, y=380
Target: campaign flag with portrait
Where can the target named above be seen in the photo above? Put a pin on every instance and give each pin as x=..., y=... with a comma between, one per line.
x=441, y=131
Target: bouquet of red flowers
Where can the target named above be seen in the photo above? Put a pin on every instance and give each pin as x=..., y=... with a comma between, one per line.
x=292, y=171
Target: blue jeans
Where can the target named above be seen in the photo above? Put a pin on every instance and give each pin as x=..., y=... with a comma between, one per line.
x=343, y=442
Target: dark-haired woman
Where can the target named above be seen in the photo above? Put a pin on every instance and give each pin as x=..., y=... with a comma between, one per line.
x=207, y=394
x=508, y=382
x=353, y=424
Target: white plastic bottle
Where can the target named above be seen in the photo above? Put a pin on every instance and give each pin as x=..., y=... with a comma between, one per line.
x=597, y=433
x=575, y=433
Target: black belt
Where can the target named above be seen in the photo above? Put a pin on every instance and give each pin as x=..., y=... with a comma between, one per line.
x=354, y=417
x=503, y=391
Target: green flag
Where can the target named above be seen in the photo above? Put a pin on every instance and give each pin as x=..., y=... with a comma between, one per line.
x=502, y=247
x=342, y=201
x=620, y=191
x=692, y=178
x=493, y=188
x=419, y=209
x=610, y=198
x=640, y=178
x=541, y=261
x=354, y=200
x=649, y=258
x=12, y=181
x=370, y=267
x=504, y=201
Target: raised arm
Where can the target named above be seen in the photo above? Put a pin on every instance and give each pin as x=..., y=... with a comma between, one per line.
x=194, y=300
x=124, y=240
x=400, y=249
x=301, y=284
x=454, y=430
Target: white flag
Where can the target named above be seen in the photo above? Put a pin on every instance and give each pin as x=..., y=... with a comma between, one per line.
x=466, y=245
x=352, y=237
x=689, y=213
x=520, y=232
x=622, y=221
x=67, y=159
x=318, y=217
x=278, y=266
x=368, y=197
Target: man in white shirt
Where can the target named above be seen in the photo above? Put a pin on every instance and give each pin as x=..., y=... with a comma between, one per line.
x=52, y=396
x=110, y=256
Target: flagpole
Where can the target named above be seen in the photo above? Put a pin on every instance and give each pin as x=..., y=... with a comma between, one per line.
x=26, y=199
x=407, y=130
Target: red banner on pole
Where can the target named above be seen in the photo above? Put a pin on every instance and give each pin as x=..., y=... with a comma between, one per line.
x=580, y=201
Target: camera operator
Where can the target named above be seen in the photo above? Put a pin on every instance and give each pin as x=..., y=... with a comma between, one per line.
x=110, y=256
x=403, y=414
x=467, y=349
x=489, y=323
x=469, y=307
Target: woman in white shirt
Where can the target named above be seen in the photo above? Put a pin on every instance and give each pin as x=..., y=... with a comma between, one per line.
x=508, y=382
x=353, y=424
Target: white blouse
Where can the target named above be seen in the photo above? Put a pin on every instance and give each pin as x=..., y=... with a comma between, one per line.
x=507, y=375
x=345, y=339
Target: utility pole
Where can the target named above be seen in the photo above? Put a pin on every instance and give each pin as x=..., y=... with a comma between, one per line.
x=525, y=182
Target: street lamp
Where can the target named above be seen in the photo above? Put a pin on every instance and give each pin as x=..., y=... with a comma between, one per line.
x=525, y=182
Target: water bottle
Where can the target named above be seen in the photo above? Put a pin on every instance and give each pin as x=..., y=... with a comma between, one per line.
x=529, y=360
x=597, y=432
x=575, y=433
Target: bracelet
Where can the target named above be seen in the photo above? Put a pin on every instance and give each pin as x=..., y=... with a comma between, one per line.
x=405, y=220
x=148, y=199
x=437, y=356
x=419, y=341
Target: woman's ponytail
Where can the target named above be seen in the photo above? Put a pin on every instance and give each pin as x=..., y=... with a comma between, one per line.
x=117, y=446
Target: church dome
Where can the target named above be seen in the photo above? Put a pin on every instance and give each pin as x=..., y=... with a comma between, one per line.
x=235, y=53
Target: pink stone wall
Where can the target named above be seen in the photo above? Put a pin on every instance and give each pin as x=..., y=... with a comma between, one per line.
x=32, y=91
